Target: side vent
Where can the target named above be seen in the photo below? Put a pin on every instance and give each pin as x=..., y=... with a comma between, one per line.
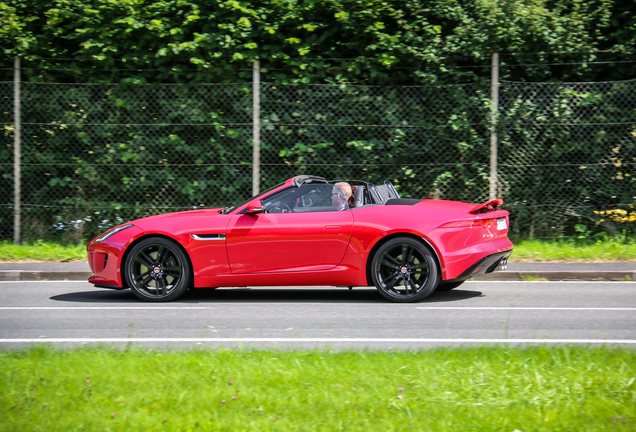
x=208, y=236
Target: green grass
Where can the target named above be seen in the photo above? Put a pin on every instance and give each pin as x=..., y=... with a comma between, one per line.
x=525, y=250
x=529, y=277
x=571, y=251
x=464, y=389
x=41, y=251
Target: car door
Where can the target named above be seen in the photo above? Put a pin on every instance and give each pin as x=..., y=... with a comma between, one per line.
x=301, y=231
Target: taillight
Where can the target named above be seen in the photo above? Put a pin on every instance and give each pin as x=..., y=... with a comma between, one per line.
x=481, y=223
x=485, y=223
x=457, y=224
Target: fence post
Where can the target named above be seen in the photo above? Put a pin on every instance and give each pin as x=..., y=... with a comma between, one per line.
x=256, y=128
x=16, y=151
x=494, y=95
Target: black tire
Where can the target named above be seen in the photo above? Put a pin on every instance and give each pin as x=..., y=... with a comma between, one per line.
x=447, y=286
x=404, y=270
x=158, y=270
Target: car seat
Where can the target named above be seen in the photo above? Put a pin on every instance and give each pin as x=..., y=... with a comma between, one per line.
x=358, y=197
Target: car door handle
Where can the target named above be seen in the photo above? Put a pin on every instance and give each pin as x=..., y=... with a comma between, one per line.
x=333, y=226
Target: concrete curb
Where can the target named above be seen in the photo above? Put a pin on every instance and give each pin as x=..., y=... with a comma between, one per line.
x=27, y=275
x=583, y=275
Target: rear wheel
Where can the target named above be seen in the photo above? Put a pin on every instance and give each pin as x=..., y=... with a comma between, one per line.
x=404, y=270
x=157, y=270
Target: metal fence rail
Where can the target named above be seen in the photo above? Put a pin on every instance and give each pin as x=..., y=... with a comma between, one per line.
x=94, y=155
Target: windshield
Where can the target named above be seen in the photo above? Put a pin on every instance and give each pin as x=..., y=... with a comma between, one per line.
x=229, y=208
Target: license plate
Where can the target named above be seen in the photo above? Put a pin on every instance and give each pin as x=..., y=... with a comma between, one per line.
x=501, y=224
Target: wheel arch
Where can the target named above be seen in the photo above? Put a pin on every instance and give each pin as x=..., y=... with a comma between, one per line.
x=379, y=244
x=124, y=257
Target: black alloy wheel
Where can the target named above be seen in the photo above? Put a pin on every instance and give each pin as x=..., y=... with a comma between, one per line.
x=404, y=270
x=157, y=269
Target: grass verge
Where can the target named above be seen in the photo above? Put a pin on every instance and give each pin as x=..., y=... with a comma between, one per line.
x=41, y=251
x=571, y=251
x=484, y=388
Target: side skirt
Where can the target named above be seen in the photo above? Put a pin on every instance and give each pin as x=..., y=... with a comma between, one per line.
x=115, y=287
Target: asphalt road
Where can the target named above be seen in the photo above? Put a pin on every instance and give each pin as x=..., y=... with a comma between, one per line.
x=72, y=313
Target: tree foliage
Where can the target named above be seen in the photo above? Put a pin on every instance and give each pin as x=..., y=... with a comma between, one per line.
x=374, y=41
x=162, y=148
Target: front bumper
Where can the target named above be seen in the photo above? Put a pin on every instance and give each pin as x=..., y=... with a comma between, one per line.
x=105, y=258
x=488, y=264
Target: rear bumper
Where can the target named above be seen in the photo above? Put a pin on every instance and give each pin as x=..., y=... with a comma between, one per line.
x=488, y=264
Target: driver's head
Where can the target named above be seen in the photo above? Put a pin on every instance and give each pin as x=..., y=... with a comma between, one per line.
x=340, y=194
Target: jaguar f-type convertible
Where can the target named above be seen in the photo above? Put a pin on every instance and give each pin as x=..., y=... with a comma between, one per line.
x=304, y=232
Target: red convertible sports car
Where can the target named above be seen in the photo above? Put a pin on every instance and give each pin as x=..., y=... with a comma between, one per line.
x=304, y=232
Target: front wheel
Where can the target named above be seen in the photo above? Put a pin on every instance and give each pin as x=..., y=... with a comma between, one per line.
x=404, y=270
x=157, y=270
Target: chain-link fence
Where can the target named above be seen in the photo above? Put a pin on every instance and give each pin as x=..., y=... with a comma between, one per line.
x=568, y=150
x=94, y=155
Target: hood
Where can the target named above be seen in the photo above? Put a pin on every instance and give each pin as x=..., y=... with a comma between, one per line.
x=181, y=214
x=185, y=223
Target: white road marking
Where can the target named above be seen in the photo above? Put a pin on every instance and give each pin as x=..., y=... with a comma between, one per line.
x=101, y=307
x=322, y=340
x=548, y=282
x=47, y=281
x=214, y=307
x=210, y=307
x=525, y=308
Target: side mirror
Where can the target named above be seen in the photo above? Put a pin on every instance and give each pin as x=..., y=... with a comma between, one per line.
x=255, y=207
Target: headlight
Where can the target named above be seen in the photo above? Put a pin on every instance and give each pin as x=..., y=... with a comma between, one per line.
x=111, y=232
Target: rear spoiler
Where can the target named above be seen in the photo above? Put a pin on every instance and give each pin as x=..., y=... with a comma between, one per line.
x=487, y=207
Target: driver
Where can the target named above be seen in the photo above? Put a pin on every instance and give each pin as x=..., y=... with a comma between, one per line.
x=340, y=195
